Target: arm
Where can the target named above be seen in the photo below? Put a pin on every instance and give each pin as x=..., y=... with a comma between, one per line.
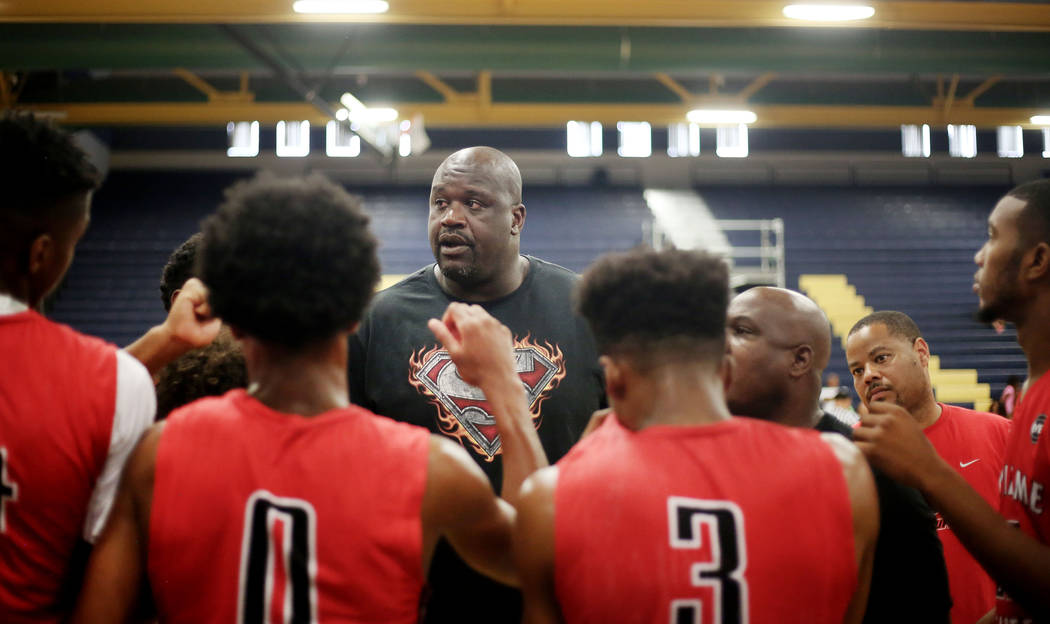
x=117, y=566
x=864, y=503
x=889, y=436
x=482, y=350
x=189, y=325
x=534, y=548
x=459, y=503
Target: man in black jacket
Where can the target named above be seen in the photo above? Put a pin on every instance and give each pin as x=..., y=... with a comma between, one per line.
x=780, y=342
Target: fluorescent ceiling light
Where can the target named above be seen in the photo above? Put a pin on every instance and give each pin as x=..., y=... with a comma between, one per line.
x=722, y=117
x=1041, y=120
x=828, y=12
x=357, y=111
x=340, y=6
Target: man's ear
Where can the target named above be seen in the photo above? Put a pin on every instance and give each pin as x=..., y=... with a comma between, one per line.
x=726, y=372
x=802, y=360
x=40, y=253
x=517, y=223
x=1036, y=263
x=923, y=350
x=615, y=377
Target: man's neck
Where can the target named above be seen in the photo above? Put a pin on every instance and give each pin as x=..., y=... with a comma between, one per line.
x=503, y=284
x=671, y=396
x=927, y=413
x=1033, y=334
x=305, y=383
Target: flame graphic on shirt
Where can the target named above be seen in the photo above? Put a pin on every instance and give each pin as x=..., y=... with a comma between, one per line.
x=463, y=413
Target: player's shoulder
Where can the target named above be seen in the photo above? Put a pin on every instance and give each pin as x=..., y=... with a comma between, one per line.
x=81, y=344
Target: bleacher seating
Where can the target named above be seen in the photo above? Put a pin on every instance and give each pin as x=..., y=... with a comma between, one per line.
x=139, y=218
x=909, y=249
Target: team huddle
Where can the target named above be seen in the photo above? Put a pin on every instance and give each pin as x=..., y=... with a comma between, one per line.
x=493, y=439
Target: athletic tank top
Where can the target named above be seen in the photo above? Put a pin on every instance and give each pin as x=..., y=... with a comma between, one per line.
x=57, y=399
x=739, y=521
x=260, y=516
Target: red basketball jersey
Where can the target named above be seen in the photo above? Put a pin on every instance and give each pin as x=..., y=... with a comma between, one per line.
x=973, y=444
x=740, y=521
x=57, y=401
x=1024, y=477
x=260, y=516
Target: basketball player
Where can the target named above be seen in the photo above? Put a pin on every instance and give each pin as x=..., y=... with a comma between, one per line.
x=284, y=502
x=1012, y=283
x=71, y=407
x=673, y=510
x=889, y=361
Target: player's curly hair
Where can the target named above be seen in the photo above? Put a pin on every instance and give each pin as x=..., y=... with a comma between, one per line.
x=39, y=165
x=181, y=266
x=289, y=261
x=209, y=371
x=645, y=302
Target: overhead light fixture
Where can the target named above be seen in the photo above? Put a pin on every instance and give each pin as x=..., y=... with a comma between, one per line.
x=293, y=139
x=1040, y=120
x=243, y=139
x=341, y=6
x=828, y=12
x=357, y=111
x=720, y=117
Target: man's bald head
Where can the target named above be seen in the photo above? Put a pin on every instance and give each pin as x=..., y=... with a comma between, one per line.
x=800, y=319
x=497, y=168
x=780, y=342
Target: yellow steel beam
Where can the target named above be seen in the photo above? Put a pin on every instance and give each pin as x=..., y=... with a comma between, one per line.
x=438, y=85
x=755, y=85
x=6, y=92
x=903, y=14
x=676, y=88
x=980, y=89
x=950, y=98
x=469, y=113
x=485, y=90
x=213, y=94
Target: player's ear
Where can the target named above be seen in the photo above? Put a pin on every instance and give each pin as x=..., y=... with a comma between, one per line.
x=615, y=382
x=726, y=372
x=40, y=252
x=1038, y=265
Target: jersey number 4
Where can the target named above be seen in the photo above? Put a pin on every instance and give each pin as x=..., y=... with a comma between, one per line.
x=689, y=520
x=278, y=561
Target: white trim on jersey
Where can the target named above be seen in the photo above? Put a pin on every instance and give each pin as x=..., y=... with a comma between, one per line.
x=10, y=305
x=136, y=406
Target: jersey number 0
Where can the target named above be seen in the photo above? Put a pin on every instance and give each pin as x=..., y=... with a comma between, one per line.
x=689, y=520
x=278, y=561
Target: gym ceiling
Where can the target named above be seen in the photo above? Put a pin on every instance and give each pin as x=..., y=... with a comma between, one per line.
x=525, y=63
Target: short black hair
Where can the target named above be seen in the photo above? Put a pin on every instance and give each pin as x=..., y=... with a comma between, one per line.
x=643, y=301
x=39, y=166
x=898, y=323
x=209, y=371
x=289, y=261
x=1034, y=222
x=181, y=266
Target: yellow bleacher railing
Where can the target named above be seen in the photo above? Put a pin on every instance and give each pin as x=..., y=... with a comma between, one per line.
x=844, y=307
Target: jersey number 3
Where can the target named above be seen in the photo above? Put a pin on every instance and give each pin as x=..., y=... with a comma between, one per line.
x=278, y=561
x=689, y=520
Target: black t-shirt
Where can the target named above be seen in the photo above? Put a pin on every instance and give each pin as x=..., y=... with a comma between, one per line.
x=909, y=581
x=398, y=369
